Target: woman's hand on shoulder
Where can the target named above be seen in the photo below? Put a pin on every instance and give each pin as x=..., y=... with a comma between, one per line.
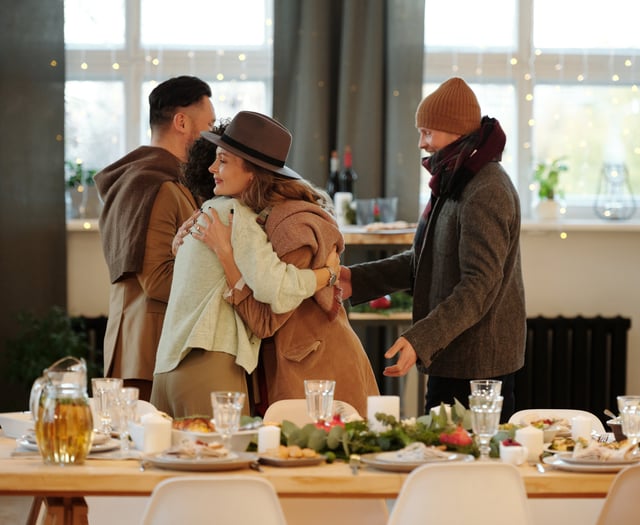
x=183, y=231
x=215, y=234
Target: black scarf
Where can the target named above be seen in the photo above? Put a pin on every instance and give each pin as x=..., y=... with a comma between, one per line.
x=455, y=165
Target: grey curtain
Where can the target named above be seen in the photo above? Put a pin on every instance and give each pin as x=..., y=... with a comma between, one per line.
x=33, y=262
x=349, y=72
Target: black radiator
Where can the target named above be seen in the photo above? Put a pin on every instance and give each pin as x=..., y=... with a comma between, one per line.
x=575, y=363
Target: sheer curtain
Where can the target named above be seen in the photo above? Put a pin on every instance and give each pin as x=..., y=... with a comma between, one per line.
x=349, y=72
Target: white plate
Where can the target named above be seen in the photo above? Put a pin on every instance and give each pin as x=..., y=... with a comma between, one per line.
x=234, y=461
x=568, y=458
x=16, y=424
x=112, y=444
x=560, y=464
x=374, y=460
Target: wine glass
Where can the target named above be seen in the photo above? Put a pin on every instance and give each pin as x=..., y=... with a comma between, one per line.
x=105, y=392
x=485, y=416
x=490, y=387
x=629, y=408
x=227, y=408
x=127, y=401
x=319, y=394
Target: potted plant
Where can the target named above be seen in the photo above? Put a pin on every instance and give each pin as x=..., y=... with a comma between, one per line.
x=83, y=201
x=547, y=176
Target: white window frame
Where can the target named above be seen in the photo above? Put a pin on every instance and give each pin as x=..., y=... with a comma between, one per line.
x=437, y=66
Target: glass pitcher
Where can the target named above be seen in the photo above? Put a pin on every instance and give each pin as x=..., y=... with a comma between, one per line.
x=60, y=408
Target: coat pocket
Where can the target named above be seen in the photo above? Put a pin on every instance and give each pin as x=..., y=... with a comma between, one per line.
x=299, y=353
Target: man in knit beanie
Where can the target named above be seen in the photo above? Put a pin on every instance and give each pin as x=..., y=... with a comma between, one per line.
x=464, y=270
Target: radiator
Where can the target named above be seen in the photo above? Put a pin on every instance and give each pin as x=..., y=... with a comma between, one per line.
x=575, y=363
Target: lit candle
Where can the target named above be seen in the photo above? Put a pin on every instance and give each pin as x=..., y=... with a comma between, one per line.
x=268, y=438
x=389, y=405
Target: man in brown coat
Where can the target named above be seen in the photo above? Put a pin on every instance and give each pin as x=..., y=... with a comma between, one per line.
x=144, y=205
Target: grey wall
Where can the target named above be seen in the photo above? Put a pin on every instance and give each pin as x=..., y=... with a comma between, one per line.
x=32, y=212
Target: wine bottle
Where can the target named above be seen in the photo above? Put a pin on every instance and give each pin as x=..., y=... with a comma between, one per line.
x=333, y=183
x=348, y=177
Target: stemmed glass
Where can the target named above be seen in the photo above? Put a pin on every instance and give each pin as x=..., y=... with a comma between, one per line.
x=485, y=417
x=105, y=394
x=227, y=408
x=319, y=394
x=629, y=408
x=489, y=387
x=127, y=401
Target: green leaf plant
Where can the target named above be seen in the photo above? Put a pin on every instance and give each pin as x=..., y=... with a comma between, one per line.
x=547, y=175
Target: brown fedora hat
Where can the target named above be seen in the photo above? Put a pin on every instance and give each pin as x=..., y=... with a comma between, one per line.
x=258, y=139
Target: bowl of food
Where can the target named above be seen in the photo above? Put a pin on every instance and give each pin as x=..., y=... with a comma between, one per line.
x=202, y=429
x=616, y=427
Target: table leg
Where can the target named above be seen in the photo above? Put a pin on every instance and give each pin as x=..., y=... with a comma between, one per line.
x=66, y=511
x=34, y=512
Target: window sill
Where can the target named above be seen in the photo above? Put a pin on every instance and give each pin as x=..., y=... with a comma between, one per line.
x=528, y=225
x=82, y=225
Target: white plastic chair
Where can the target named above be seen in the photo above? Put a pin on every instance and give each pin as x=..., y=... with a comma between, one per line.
x=479, y=493
x=310, y=511
x=621, y=506
x=214, y=500
x=295, y=410
x=531, y=414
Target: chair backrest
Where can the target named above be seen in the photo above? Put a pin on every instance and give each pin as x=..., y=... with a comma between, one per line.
x=621, y=504
x=295, y=410
x=531, y=414
x=214, y=500
x=480, y=493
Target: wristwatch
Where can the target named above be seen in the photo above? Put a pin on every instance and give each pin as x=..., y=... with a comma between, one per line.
x=333, y=276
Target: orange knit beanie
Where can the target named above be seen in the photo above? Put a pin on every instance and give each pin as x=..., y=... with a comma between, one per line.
x=453, y=107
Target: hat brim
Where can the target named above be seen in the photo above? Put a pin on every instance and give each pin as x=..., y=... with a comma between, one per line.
x=280, y=170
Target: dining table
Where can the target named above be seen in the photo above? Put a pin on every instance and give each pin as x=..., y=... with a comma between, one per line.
x=62, y=489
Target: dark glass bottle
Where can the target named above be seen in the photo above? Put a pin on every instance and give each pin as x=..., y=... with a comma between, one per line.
x=348, y=177
x=333, y=183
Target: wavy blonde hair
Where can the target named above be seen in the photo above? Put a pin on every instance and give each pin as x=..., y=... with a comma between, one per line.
x=268, y=189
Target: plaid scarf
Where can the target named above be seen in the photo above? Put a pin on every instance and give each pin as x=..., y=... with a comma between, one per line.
x=455, y=165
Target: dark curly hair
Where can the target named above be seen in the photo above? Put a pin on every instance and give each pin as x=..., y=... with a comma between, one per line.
x=196, y=171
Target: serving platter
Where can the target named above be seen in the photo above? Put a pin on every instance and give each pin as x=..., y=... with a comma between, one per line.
x=560, y=464
x=233, y=461
x=568, y=458
x=384, y=461
x=291, y=462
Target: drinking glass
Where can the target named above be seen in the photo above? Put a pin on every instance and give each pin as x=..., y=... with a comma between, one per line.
x=629, y=408
x=105, y=395
x=319, y=394
x=127, y=401
x=227, y=408
x=485, y=416
x=490, y=387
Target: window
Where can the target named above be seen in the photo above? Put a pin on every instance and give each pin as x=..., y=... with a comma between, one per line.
x=117, y=51
x=572, y=93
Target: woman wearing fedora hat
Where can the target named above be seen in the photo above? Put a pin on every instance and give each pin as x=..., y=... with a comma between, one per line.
x=316, y=339
x=205, y=345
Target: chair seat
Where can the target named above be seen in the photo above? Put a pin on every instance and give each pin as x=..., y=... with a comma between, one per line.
x=214, y=500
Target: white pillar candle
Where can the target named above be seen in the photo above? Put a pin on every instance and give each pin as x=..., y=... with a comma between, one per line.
x=389, y=405
x=533, y=439
x=157, y=432
x=580, y=427
x=268, y=438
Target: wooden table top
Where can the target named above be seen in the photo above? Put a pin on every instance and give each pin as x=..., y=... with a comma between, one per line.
x=28, y=475
x=359, y=235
